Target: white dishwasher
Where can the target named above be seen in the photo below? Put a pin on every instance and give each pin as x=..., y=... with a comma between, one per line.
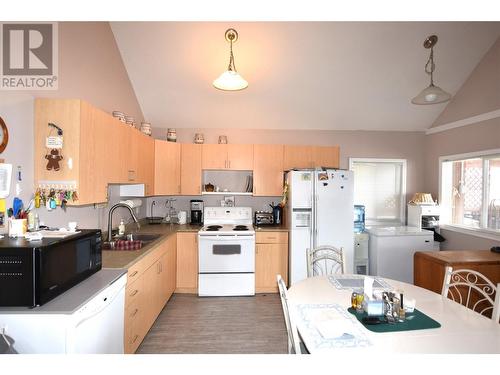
x=87, y=319
x=391, y=250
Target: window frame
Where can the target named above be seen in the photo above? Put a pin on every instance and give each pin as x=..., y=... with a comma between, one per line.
x=402, y=213
x=465, y=229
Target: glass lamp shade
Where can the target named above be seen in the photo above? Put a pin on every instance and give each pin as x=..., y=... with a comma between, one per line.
x=431, y=95
x=230, y=81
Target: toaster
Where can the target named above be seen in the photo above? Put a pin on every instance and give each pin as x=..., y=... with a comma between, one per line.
x=263, y=218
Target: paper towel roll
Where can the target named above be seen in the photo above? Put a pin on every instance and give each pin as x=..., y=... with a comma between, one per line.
x=133, y=203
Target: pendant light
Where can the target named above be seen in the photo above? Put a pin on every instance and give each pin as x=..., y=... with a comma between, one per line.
x=230, y=80
x=432, y=94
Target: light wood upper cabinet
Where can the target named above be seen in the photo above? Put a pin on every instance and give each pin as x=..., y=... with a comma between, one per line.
x=297, y=157
x=326, y=156
x=191, y=169
x=239, y=157
x=271, y=259
x=311, y=157
x=167, y=160
x=146, y=161
x=187, y=262
x=214, y=156
x=84, y=131
x=268, y=170
x=227, y=157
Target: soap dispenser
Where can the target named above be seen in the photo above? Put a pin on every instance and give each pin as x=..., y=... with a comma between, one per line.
x=121, y=228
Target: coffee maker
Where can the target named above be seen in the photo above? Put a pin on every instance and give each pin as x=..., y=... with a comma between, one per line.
x=196, y=211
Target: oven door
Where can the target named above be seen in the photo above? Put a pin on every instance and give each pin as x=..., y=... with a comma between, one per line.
x=226, y=253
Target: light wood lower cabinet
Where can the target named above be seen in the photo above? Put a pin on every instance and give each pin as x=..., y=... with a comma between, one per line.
x=187, y=262
x=151, y=282
x=271, y=259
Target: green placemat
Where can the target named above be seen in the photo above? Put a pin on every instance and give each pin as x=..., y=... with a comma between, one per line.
x=415, y=320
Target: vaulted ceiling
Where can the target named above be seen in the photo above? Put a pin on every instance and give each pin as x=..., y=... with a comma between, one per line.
x=302, y=75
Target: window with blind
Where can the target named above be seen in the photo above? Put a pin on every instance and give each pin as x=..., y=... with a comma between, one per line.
x=380, y=186
x=470, y=190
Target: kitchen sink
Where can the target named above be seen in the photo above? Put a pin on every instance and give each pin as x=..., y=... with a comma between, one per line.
x=142, y=237
x=145, y=238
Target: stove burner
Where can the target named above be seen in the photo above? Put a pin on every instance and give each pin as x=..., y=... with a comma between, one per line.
x=240, y=227
x=214, y=227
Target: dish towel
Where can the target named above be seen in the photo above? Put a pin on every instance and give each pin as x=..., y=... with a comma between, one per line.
x=127, y=245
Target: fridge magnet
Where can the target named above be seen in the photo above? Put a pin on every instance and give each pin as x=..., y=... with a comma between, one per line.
x=323, y=176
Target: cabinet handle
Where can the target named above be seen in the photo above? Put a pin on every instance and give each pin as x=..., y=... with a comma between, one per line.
x=179, y=189
x=229, y=164
x=134, y=292
x=131, y=175
x=135, y=338
x=134, y=313
x=134, y=273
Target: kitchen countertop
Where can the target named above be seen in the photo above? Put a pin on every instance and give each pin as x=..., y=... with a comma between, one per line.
x=270, y=228
x=126, y=259
x=74, y=298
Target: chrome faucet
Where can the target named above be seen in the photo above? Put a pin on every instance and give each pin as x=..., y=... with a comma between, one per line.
x=110, y=217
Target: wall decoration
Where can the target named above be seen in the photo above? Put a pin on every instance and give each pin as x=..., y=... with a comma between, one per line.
x=53, y=160
x=4, y=136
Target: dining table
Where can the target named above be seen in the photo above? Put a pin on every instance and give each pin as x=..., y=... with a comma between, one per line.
x=320, y=305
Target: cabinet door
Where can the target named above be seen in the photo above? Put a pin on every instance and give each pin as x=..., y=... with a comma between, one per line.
x=270, y=260
x=150, y=296
x=187, y=262
x=214, y=156
x=240, y=157
x=297, y=157
x=170, y=267
x=105, y=152
x=131, y=153
x=146, y=162
x=167, y=160
x=191, y=169
x=268, y=170
x=325, y=156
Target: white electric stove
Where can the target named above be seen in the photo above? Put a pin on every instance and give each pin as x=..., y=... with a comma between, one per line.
x=226, y=252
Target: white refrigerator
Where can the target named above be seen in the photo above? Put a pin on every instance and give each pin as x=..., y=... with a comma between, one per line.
x=320, y=211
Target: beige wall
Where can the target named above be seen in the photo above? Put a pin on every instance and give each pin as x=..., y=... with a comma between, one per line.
x=375, y=144
x=90, y=68
x=479, y=94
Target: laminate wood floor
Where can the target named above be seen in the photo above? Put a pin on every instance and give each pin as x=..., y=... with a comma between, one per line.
x=222, y=325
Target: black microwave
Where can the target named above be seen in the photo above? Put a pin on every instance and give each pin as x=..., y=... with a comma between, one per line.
x=33, y=273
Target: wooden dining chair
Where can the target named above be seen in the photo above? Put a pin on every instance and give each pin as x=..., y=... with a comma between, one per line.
x=294, y=346
x=325, y=260
x=473, y=290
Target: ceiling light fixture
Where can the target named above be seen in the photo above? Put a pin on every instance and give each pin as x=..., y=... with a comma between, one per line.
x=230, y=80
x=432, y=94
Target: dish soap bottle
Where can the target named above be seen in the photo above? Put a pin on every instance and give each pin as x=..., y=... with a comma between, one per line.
x=121, y=228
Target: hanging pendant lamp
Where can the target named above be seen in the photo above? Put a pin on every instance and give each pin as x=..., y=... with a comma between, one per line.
x=230, y=80
x=432, y=94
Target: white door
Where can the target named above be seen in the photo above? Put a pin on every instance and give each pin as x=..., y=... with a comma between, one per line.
x=334, y=212
x=98, y=326
x=226, y=253
x=299, y=241
x=300, y=189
